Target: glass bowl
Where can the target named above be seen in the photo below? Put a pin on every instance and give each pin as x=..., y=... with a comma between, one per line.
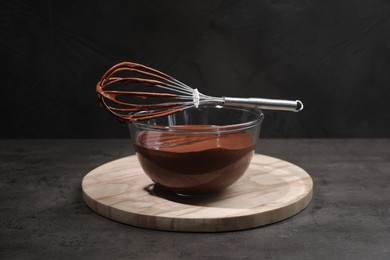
x=199, y=150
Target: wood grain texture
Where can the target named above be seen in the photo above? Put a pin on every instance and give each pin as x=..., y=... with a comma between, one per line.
x=270, y=191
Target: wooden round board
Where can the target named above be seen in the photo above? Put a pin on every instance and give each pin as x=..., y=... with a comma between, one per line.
x=271, y=190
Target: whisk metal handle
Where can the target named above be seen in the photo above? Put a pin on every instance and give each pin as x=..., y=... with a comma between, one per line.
x=265, y=103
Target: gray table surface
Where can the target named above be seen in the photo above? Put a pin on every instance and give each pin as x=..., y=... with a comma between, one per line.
x=43, y=215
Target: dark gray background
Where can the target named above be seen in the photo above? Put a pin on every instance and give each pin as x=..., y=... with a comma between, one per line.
x=333, y=55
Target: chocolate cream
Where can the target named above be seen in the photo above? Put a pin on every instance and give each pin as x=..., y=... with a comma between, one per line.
x=128, y=111
x=194, y=163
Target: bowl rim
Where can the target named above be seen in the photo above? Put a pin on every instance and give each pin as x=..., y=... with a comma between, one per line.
x=214, y=128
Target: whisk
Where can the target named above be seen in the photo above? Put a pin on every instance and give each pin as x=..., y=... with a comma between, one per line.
x=167, y=97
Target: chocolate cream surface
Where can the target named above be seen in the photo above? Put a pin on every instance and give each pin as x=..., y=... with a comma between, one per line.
x=193, y=163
